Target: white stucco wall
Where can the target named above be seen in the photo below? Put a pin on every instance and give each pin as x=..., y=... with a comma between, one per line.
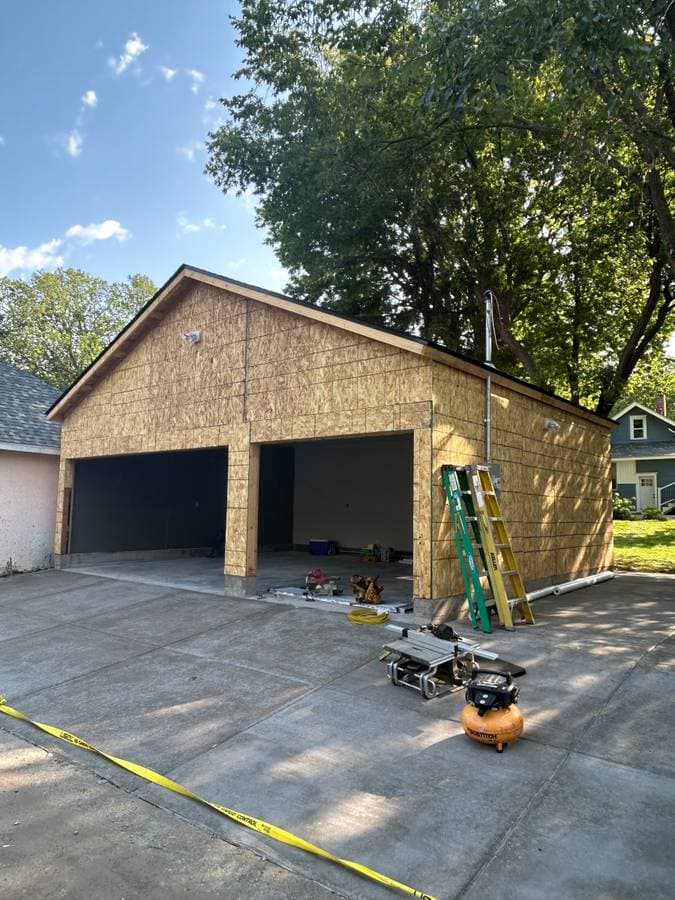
x=27, y=509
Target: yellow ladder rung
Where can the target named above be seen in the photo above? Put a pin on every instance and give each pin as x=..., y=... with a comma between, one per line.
x=493, y=540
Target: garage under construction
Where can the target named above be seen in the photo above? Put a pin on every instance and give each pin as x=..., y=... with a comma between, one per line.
x=233, y=422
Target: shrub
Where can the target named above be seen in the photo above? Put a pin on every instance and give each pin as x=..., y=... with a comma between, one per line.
x=622, y=507
x=651, y=512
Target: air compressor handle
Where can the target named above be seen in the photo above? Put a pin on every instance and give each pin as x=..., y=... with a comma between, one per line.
x=507, y=675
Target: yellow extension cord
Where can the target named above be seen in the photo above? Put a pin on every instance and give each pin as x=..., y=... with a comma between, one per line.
x=362, y=616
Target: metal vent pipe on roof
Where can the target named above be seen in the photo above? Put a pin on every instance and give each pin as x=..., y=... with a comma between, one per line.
x=489, y=327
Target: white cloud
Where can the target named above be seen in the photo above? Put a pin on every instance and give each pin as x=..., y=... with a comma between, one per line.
x=2, y=141
x=90, y=99
x=235, y=264
x=188, y=227
x=73, y=143
x=45, y=255
x=102, y=231
x=197, y=79
x=167, y=72
x=278, y=276
x=189, y=151
x=210, y=104
x=132, y=50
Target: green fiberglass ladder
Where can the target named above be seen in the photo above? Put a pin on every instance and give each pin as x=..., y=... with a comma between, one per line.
x=467, y=561
x=481, y=508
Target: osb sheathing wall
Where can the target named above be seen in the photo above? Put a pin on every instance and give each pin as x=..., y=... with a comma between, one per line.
x=258, y=374
x=556, y=495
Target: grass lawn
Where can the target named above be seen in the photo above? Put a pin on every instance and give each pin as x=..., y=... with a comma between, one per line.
x=645, y=546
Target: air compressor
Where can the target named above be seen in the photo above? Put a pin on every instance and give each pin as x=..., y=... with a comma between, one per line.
x=491, y=715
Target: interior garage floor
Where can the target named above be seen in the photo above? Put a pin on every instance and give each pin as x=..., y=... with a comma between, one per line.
x=286, y=569
x=275, y=569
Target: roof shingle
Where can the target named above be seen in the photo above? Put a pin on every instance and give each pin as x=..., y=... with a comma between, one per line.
x=24, y=400
x=644, y=450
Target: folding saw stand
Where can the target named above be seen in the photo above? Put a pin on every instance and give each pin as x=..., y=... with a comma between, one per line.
x=431, y=666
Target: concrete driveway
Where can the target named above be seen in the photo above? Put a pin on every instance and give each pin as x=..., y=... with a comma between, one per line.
x=286, y=714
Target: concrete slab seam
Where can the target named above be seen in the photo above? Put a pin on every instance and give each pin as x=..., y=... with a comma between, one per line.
x=545, y=787
x=80, y=624
x=235, y=734
x=49, y=627
x=111, y=665
x=139, y=579
x=67, y=760
x=277, y=833
x=53, y=593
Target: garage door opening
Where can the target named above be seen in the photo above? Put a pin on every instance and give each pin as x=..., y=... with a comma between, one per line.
x=351, y=492
x=152, y=504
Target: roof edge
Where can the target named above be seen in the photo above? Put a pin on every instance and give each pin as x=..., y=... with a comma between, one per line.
x=47, y=450
x=403, y=340
x=652, y=412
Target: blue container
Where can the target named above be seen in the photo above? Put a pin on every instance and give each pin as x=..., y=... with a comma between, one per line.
x=322, y=547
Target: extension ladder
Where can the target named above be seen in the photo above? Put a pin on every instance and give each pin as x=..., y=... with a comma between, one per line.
x=492, y=538
x=473, y=589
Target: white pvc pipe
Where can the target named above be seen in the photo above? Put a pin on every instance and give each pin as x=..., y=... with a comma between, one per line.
x=537, y=595
x=569, y=586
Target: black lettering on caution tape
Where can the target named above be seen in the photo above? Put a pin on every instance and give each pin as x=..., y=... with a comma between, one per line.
x=281, y=835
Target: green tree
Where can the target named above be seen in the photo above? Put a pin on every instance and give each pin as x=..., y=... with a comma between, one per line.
x=56, y=323
x=604, y=72
x=402, y=167
x=654, y=374
x=613, y=62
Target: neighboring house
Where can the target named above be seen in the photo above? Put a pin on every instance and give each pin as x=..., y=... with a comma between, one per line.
x=224, y=407
x=29, y=468
x=643, y=456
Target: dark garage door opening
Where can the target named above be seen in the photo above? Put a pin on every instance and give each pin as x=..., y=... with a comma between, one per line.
x=150, y=501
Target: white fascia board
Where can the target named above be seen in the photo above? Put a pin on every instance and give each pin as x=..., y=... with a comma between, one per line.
x=30, y=448
x=645, y=409
x=641, y=458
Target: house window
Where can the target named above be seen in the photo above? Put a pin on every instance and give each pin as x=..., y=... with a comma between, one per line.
x=638, y=428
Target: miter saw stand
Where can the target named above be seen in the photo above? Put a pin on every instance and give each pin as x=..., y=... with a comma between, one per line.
x=434, y=666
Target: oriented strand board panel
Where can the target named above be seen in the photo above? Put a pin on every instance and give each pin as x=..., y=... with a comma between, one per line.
x=556, y=484
x=262, y=374
x=258, y=374
x=282, y=374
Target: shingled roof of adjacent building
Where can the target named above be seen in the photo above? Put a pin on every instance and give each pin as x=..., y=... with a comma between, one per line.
x=644, y=450
x=24, y=400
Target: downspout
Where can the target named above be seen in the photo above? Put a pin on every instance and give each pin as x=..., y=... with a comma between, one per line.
x=488, y=382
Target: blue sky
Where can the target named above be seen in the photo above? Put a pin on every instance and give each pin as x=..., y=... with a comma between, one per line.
x=104, y=108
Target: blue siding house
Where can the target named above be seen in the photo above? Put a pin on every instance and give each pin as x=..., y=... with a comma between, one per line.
x=643, y=456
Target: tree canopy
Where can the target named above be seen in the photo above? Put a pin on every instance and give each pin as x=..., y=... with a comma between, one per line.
x=56, y=323
x=406, y=157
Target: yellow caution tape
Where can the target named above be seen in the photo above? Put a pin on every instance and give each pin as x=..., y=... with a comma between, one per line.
x=273, y=831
